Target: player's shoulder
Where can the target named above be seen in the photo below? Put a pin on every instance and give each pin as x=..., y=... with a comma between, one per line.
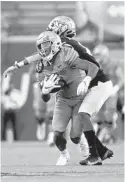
x=76, y=45
x=67, y=48
x=71, y=42
x=69, y=53
x=84, y=48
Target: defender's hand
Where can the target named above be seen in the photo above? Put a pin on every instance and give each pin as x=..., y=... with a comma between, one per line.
x=83, y=86
x=50, y=84
x=10, y=69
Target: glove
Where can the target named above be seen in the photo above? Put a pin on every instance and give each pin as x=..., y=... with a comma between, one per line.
x=83, y=86
x=50, y=83
x=11, y=69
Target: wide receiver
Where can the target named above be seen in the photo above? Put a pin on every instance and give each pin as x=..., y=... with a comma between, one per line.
x=61, y=59
x=65, y=28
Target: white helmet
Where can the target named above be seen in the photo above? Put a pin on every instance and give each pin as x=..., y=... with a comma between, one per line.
x=48, y=44
x=63, y=26
x=101, y=53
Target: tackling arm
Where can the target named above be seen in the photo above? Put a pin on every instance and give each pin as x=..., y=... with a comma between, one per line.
x=22, y=63
x=87, y=66
x=91, y=70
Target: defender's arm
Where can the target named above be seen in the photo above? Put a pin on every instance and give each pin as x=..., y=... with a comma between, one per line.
x=90, y=68
x=22, y=63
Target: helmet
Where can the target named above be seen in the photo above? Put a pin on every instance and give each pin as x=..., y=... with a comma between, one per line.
x=101, y=53
x=63, y=26
x=48, y=44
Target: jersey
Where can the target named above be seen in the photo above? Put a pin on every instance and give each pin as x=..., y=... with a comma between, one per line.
x=64, y=63
x=84, y=53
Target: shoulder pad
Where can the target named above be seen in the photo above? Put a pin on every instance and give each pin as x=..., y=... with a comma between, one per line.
x=66, y=45
x=70, y=54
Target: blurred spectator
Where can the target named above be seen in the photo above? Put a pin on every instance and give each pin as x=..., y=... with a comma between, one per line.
x=107, y=117
x=43, y=111
x=4, y=26
x=86, y=29
x=12, y=100
x=121, y=107
x=39, y=108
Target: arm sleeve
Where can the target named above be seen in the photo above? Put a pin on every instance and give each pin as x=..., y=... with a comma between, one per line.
x=29, y=60
x=32, y=58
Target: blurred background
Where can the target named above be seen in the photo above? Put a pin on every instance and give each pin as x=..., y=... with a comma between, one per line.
x=22, y=21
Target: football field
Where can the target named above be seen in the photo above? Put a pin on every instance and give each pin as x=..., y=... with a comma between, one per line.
x=35, y=161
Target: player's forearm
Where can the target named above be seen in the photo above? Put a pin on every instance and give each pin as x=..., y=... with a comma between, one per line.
x=18, y=65
x=45, y=97
x=29, y=60
x=26, y=61
x=91, y=74
x=21, y=64
x=92, y=70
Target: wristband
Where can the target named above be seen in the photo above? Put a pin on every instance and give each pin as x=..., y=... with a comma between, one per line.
x=16, y=64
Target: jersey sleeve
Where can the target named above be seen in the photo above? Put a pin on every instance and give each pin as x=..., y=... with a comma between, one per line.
x=80, y=64
x=70, y=55
x=32, y=59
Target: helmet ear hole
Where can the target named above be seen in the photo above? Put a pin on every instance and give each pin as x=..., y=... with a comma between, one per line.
x=57, y=32
x=39, y=46
x=70, y=36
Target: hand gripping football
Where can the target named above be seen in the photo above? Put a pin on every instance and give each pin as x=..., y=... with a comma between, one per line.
x=61, y=82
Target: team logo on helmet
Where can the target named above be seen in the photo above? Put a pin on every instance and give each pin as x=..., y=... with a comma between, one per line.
x=63, y=26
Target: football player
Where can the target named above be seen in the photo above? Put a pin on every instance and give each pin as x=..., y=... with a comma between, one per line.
x=71, y=102
x=65, y=28
x=12, y=100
